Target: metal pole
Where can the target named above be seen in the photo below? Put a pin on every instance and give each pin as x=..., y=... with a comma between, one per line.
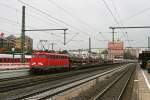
x=113, y=39
x=13, y=50
x=2, y=42
x=148, y=43
x=13, y=56
x=64, y=37
x=89, y=47
x=52, y=46
x=23, y=34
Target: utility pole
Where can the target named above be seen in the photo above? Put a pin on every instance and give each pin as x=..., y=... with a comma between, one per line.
x=89, y=47
x=23, y=34
x=113, y=36
x=113, y=32
x=43, y=45
x=65, y=37
x=148, y=43
x=52, y=45
x=2, y=40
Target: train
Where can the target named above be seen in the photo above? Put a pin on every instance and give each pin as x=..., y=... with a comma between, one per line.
x=40, y=62
x=8, y=58
x=43, y=61
x=53, y=62
x=144, y=58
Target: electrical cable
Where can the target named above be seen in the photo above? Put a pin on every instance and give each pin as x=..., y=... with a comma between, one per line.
x=45, y=13
x=70, y=14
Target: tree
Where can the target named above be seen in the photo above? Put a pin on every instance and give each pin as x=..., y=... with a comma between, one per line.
x=104, y=52
x=3, y=50
x=128, y=55
x=65, y=52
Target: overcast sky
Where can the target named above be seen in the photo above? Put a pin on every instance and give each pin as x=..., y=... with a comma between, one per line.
x=83, y=18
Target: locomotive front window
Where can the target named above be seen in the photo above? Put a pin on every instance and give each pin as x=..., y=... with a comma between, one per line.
x=61, y=57
x=42, y=56
x=34, y=56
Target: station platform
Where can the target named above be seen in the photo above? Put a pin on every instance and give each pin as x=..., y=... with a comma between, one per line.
x=141, y=90
x=10, y=66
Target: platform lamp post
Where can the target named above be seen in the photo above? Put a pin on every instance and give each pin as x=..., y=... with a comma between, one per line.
x=13, y=50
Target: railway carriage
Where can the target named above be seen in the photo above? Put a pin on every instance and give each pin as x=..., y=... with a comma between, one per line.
x=8, y=58
x=43, y=61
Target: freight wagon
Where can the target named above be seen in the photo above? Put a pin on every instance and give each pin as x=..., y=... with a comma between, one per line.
x=143, y=58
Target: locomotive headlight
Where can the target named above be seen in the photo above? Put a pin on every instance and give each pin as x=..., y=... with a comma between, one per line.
x=40, y=63
x=33, y=63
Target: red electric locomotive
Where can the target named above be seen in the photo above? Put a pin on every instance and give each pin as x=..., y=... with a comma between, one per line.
x=43, y=61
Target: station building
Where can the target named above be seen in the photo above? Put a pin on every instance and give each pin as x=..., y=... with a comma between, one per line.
x=7, y=43
x=28, y=43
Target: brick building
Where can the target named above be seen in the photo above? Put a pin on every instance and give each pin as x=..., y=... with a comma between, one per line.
x=7, y=43
x=116, y=49
x=28, y=43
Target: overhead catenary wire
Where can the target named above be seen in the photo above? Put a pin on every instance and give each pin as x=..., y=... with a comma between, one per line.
x=114, y=17
x=117, y=15
x=75, y=17
x=15, y=22
x=45, y=13
x=59, y=20
x=125, y=34
x=110, y=11
x=72, y=38
x=72, y=15
x=136, y=14
x=101, y=33
x=35, y=16
x=30, y=15
x=18, y=23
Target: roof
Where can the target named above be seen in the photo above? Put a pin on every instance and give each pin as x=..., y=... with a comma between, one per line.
x=50, y=53
x=11, y=56
x=11, y=37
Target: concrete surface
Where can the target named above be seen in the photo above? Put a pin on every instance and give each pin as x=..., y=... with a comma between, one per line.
x=7, y=66
x=141, y=85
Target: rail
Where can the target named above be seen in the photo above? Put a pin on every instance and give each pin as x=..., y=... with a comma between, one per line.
x=107, y=88
x=64, y=87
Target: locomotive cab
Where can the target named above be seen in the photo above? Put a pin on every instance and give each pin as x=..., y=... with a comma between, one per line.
x=38, y=60
x=43, y=61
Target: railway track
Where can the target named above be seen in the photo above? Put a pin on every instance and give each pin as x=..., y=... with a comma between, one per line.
x=52, y=92
x=18, y=86
x=116, y=88
x=6, y=75
x=13, y=74
x=18, y=82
